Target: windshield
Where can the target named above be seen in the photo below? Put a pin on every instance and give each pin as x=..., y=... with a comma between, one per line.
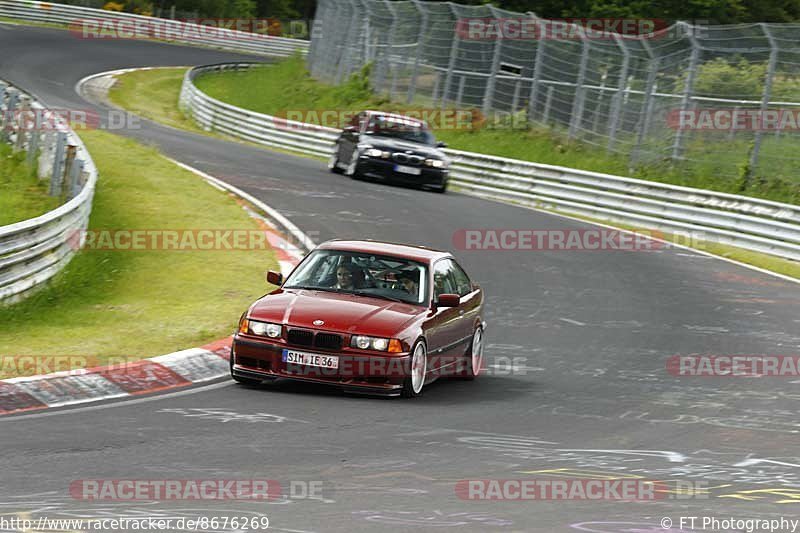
x=399, y=128
x=378, y=276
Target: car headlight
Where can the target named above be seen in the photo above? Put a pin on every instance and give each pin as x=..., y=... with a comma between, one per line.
x=262, y=329
x=436, y=163
x=363, y=342
x=373, y=152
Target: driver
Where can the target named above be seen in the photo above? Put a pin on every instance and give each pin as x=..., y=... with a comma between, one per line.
x=345, y=277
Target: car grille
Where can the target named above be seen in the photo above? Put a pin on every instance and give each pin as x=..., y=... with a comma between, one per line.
x=304, y=337
x=407, y=159
x=329, y=341
x=300, y=337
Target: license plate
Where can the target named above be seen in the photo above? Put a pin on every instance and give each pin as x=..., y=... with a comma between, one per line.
x=310, y=359
x=407, y=170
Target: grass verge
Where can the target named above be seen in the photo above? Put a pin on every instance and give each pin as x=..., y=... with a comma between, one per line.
x=22, y=194
x=135, y=304
x=262, y=90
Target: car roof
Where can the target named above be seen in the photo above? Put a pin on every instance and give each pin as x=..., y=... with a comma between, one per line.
x=417, y=253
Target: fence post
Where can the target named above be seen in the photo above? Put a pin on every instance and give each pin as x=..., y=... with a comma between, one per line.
x=423, y=30
x=460, y=94
x=75, y=173
x=452, y=61
x=33, y=146
x=577, y=103
x=57, y=175
x=765, y=97
x=537, y=74
x=616, y=104
x=691, y=74
x=344, y=60
x=488, y=96
x=22, y=124
x=547, y=103
x=644, y=122
x=8, y=121
x=385, y=66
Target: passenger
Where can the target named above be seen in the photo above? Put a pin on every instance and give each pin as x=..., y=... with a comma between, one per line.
x=410, y=282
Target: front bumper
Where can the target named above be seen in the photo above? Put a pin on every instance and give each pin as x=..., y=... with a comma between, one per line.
x=367, y=374
x=384, y=169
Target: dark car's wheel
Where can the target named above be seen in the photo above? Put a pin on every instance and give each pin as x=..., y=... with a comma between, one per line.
x=333, y=163
x=240, y=379
x=413, y=384
x=352, y=168
x=474, y=362
x=442, y=189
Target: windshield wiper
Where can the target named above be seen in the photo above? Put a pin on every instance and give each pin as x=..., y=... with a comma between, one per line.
x=374, y=295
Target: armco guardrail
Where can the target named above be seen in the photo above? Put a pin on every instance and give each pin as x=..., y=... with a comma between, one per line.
x=759, y=225
x=86, y=22
x=34, y=250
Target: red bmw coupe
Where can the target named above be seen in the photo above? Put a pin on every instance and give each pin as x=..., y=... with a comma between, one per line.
x=370, y=317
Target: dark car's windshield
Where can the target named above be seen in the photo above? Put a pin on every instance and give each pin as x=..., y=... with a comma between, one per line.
x=377, y=276
x=400, y=128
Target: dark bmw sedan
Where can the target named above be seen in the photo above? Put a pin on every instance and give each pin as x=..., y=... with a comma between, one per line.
x=389, y=147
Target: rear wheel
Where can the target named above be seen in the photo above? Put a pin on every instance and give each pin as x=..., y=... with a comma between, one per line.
x=413, y=384
x=474, y=361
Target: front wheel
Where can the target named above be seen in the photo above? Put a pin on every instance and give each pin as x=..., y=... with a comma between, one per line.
x=412, y=385
x=333, y=163
x=352, y=168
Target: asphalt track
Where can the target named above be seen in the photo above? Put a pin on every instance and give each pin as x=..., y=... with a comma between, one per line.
x=590, y=398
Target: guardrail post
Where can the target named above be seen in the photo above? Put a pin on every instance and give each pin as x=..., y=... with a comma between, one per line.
x=423, y=29
x=616, y=104
x=451, y=64
x=22, y=124
x=691, y=74
x=766, y=95
x=488, y=95
x=9, y=121
x=57, y=176
x=578, y=100
x=33, y=146
x=75, y=173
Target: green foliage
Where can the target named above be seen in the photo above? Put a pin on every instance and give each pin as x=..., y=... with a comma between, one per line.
x=22, y=194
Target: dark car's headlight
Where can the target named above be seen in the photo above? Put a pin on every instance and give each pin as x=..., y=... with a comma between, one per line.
x=375, y=152
x=261, y=329
x=363, y=342
x=436, y=163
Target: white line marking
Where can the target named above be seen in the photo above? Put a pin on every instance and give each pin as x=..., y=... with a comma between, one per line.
x=571, y=321
x=11, y=418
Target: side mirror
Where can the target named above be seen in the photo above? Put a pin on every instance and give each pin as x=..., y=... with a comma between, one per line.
x=441, y=144
x=448, y=300
x=275, y=278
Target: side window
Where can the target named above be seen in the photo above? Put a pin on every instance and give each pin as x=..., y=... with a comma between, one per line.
x=442, y=278
x=462, y=282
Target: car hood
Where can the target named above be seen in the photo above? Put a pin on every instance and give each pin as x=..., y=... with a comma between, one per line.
x=340, y=312
x=396, y=145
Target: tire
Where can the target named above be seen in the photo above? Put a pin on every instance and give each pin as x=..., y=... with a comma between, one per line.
x=474, y=360
x=352, y=168
x=413, y=386
x=333, y=163
x=442, y=189
x=240, y=379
